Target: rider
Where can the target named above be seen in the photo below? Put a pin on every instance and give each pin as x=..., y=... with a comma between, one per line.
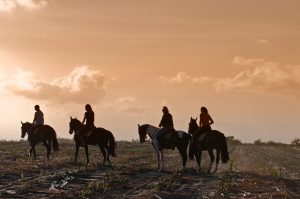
x=205, y=122
x=38, y=120
x=89, y=118
x=166, y=125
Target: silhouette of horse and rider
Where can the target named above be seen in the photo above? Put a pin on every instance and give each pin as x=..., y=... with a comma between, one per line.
x=38, y=132
x=199, y=138
x=88, y=134
x=84, y=134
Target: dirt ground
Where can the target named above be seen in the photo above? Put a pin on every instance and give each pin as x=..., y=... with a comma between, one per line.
x=253, y=172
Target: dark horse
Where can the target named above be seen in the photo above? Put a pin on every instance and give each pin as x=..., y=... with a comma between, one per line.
x=180, y=141
x=100, y=136
x=212, y=140
x=45, y=134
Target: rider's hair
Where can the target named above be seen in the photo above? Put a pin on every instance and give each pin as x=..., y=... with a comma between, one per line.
x=88, y=107
x=165, y=109
x=204, y=109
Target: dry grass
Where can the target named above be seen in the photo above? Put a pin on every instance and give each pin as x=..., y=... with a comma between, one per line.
x=255, y=171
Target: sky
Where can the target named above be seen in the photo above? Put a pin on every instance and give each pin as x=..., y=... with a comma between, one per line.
x=128, y=58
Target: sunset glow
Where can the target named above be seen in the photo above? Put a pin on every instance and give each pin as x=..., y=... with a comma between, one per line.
x=128, y=58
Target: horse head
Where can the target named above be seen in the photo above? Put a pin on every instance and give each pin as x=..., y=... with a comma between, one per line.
x=25, y=128
x=193, y=126
x=74, y=125
x=142, y=132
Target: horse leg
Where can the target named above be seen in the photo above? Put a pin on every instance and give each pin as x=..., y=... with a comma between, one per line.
x=30, y=152
x=33, y=150
x=158, y=160
x=212, y=158
x=87, y=154
x=76, y=152
x=198, y=159
x=103, y=153
x=183, y=156
x=217, y=160
x=162, y=160
x=48, y=149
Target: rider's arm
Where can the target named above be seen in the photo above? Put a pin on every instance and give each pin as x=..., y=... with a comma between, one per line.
x=84, y=119
x=162, y=121
x=35, y=116
x=210, y=120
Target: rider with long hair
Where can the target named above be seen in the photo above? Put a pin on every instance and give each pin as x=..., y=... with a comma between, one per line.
x=205, y=120
x=88, y=120
x=166, y=125
x=204, y=127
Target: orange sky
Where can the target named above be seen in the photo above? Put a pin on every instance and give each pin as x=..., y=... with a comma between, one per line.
x=129, y=57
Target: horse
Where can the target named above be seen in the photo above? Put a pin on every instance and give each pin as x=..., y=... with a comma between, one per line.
x=45, y=134
x=100, y=136
x=180, y=141
x=212, y=140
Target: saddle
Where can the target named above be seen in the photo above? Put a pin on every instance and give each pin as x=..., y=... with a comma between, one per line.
x=202, y=136
x=36, y=129
x=169, y=140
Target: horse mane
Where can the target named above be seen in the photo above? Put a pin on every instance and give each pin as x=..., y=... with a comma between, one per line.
x=76, y=120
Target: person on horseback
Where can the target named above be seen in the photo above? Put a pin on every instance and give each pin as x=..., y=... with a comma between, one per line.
x=166, y=125
x=205, y=120
x=38, y=120
x=204, y=125
x=88, y=119
x=204, y=128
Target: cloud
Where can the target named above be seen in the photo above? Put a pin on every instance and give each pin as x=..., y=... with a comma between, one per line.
x=182, y=77
x=260, y=76
x=9, y=5
x=264, y=42
x=82, y=85
x=266, y=76
x=126, y=104
x=237, y=60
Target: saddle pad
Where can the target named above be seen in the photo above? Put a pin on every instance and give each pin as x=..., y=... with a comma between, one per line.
x=202, y=136
x=167, y=136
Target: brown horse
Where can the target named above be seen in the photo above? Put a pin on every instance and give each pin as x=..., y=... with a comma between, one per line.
x=44, y=134
x=100, y=136
x=212, y=140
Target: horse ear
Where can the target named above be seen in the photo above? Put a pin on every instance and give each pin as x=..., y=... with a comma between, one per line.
x=70, y=117
x=196, y=118
x=139, y=125
x=21, y=122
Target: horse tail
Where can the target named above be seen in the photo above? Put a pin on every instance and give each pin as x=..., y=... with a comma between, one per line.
x=224, y=150
x=191, y=149
x=112, y=144
x=54, y=141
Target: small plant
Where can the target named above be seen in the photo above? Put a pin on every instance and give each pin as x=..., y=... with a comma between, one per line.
x=277, y=173
x=166, y=182
x=88, y=192
x=225, y=184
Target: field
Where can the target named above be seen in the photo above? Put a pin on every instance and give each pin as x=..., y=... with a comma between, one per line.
x=255, y=171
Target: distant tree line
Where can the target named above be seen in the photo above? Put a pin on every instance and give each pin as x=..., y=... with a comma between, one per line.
x=294, y=142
